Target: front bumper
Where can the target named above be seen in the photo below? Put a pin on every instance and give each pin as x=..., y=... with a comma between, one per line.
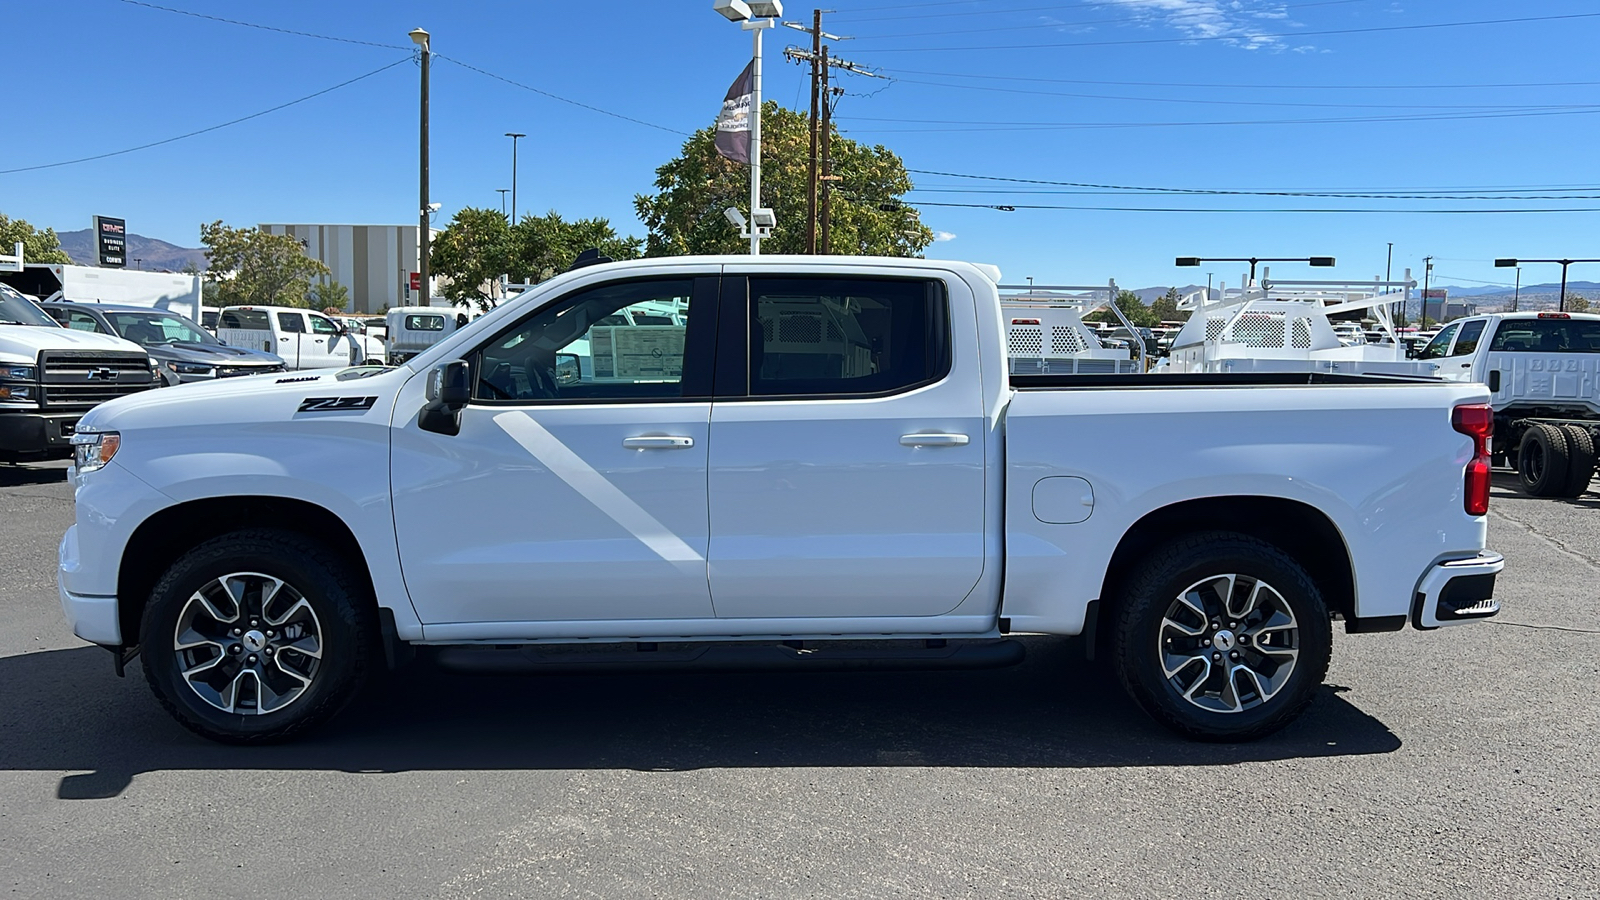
x=1457, y=591
x=37, y=434
x=93, y=618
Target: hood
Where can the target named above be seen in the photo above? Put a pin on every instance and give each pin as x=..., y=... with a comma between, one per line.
x=248, y=399
x=28, y=340
x=213, y=354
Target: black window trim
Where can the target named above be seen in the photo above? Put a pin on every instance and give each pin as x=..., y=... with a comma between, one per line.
x=733, y=352
x=699, y=346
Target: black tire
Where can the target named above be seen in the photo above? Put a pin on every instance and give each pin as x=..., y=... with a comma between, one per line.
x=373, y=362
x=1580, y=460
x=1542, y=461
x=341, y=619
x=1144, y=639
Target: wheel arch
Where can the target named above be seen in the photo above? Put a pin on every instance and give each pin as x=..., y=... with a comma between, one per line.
x=1298, y=529
x=169, y=533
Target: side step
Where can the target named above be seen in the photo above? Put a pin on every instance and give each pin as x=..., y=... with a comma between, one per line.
x=531, y=659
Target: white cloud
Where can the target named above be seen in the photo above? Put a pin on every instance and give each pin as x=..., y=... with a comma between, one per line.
x=1244, y=23
x=944, y=236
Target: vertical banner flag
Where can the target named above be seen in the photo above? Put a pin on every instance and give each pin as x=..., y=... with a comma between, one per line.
x=733, y=124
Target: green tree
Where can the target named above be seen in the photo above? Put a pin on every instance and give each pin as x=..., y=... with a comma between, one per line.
x=1131, y=306
x=37, y=246
x=329, y=294
x=479, y=246
x=868, y=215
x=249, y=267
x=1165, y=308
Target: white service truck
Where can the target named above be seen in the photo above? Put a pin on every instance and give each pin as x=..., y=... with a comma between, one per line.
x=172, y=292
x=50, y=376
x=1543, y=374
x=302, y=338
x=409, y=330
x=827, y=465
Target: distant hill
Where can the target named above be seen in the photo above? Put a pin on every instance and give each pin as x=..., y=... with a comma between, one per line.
x=154, y=255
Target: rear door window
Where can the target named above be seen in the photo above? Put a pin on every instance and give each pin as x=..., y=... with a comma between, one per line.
x=291, y=322
x=846, y=336
x=1547, y=336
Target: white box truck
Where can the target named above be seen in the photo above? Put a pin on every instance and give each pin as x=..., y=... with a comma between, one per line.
x=173, y=292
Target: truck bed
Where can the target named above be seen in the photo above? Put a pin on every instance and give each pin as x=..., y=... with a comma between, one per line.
x=1241, y=379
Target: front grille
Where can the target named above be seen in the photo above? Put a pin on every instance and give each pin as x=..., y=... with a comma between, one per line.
x=80, y=379
x=234, y=371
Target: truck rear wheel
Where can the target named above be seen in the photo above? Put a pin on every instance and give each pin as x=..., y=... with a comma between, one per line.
x=257, y=635
x=1542, y=461
x=1580, y=460
x=1222, y=637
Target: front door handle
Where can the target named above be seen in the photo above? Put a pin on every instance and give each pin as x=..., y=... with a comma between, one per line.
x=933, y=440
x=658, y=442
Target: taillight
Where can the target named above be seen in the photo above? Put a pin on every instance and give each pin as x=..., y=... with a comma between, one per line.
x=1476, y=420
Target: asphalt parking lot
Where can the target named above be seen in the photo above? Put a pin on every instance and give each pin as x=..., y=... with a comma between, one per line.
x=1461, y=763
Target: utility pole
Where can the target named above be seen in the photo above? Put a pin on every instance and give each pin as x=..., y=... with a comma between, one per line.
x=811, y=161
x=1388, y=269
x=515, y=136
x=502, y=193
x=827, y=163
x=1516, y=290
x=425, y=50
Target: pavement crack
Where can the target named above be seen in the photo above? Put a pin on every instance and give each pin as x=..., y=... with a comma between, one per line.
x=1549, y=539
x=1544, y=627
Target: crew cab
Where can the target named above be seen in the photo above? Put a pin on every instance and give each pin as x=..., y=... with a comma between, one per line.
x=50, y=376
x=823, y=464
x=1543, y=374
x=302, y=338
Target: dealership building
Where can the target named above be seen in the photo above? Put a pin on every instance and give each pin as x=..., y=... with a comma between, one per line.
x=377, y=263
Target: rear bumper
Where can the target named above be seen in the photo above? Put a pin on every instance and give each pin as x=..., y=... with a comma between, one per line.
x=1457, y=591
x=37, y=434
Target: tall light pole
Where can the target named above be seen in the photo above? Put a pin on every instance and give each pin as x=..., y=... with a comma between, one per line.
x=1320, y=261
x=502, y=193
x=514, y=136
x=754, y=16
x=1516, y=290
x=1561, y=301
x=420, y=38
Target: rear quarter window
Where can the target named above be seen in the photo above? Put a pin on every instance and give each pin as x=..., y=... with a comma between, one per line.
x=1547, y=336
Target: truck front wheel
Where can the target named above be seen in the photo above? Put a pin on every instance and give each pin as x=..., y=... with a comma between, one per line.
x=257, y=635
x=1222, y=637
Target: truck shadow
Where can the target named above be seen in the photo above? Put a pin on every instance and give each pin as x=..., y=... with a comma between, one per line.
x=20, y=475
x=65, y=710
x=1505, y=484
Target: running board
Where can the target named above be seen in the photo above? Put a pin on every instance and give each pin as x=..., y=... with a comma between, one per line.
x=540, y=659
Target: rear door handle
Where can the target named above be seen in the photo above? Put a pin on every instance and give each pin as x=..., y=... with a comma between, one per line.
x=933, y=440
x=658, y=442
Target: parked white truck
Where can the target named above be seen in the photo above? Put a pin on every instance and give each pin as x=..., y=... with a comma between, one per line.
x=172, y=292
x=302, y=338
x=50, y=376
x=1543, y=374
x=827, y=465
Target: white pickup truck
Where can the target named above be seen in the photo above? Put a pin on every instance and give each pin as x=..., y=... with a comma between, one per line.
x=825, y=465
x=1543, y=374
x=302, y=338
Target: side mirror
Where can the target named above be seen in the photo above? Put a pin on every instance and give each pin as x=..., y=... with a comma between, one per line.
x=448, y=389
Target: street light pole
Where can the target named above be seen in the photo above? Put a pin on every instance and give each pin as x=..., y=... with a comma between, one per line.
x=1316, y=261
x=502, y=193
x=1516, y=290
x=420, y=38
x=514, y=136
x=755, y=27
x=1561, y=301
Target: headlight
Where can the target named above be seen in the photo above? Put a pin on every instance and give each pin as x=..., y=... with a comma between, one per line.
x=183, y=368
x=16, y=392
x=20, y=373
x=93, y=449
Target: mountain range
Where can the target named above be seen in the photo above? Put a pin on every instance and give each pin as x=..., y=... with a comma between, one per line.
x=152, y=254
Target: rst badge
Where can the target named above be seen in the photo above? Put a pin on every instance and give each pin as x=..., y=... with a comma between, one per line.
x=336, y=404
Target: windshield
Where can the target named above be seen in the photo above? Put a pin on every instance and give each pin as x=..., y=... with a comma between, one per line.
x=1548, y=336
x=151, y=328
x=16, y=309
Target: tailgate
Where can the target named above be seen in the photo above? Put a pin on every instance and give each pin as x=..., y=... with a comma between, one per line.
x=249, y=338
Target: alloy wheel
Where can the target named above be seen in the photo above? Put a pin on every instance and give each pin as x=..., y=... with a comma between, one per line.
x=248, y=643
x=1228, y=643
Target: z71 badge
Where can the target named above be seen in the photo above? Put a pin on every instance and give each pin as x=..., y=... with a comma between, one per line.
x=335, y=404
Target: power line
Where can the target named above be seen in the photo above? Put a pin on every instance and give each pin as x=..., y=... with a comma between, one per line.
x=320, y=37
x=256, y=115
x=1251, y=87
x=1216, y=191
x=1012, y=207
x=967, y=127
x=1251, y=37
x=1320, y=194
x=544, y=93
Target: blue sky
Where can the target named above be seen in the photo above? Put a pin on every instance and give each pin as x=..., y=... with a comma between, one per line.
x=1091, y=92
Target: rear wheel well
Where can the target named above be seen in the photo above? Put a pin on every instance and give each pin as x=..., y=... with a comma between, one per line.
x=174, y=531
x=1302, y=531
